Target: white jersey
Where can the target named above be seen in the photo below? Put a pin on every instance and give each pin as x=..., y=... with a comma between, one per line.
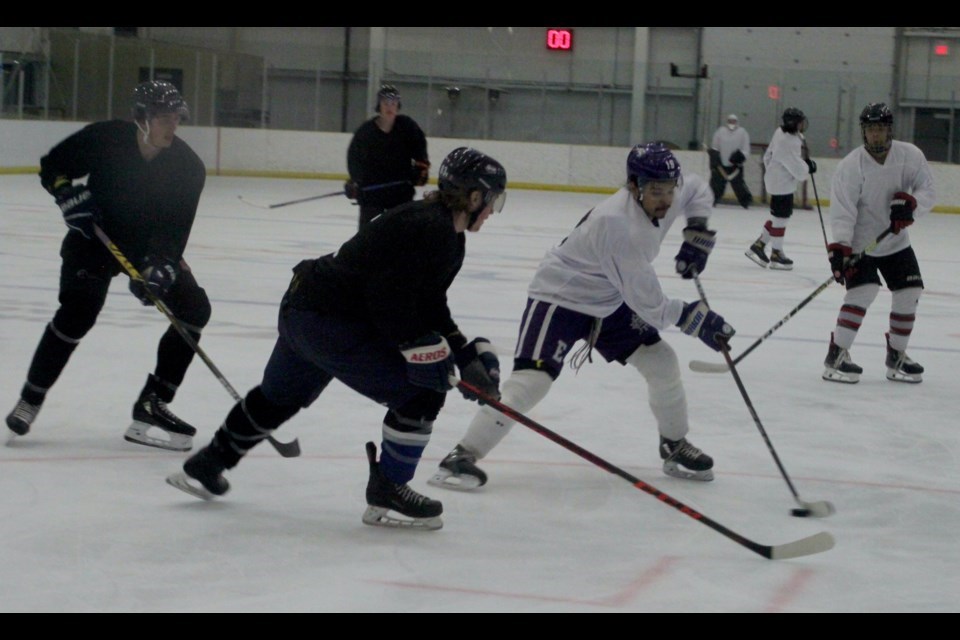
x=726, y=142
x=784, y=167
x=862, y=189
x=608, y=258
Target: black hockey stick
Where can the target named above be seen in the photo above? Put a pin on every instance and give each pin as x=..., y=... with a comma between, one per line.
x=816, y=543
x=816, y=197
x=285, y=449
x=373, y=187
x=820, y=509
x=719, y=367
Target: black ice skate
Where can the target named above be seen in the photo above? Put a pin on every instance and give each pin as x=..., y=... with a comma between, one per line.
x=385, y=498
x=459, y=471
x=757, y=253
x=839, y=367
x=202, y=474
x=683, y=460
x=156, y=426
x=900, y=368
x=22, y=416
x=779, y=260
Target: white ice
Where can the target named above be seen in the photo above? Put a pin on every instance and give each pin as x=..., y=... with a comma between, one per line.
x=87, y=523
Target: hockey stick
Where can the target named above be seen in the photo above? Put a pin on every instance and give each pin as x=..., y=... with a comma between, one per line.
x=718, y=367
x=285, y=449
x=816, y=197
x=373, y=187
x=820, y=509
x=816, y=543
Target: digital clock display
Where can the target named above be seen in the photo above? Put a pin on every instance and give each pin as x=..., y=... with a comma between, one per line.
x=560, y=39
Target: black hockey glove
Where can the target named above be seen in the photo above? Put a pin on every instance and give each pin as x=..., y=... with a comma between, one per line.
x=840, y=262
x=479, y=365
x=697, y=244
x=737, y=158
x=697, y=320
x=901, y=211
x=420, y=173
x=811, y=164
x=80, y=212
x=351, y=189
x=429, y=362
x=157, y=276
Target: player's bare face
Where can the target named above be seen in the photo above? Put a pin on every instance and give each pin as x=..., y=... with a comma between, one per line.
x=657, y=197
x=486, y=213
x=163, y=129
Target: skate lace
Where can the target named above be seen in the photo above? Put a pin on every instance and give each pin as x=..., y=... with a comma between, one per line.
x=409, y=495
x=25, y=411
x=685, y=450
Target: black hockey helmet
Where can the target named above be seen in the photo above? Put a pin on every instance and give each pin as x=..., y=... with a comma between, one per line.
x=877, y=113
x=388, y=92
x=652, y=162
x=157, y=97
x=465, y=170
x=791, y=120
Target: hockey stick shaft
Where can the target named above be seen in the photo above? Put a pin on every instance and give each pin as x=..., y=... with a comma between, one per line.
x=711, y=367
x=373, y=187
x=806, y=546
x=285, y=449
x=820, y=509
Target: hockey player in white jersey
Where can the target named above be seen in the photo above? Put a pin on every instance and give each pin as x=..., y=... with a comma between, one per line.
x=883, y=184
x=599, y=285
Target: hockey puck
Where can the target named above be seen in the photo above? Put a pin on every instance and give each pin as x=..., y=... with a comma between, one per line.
x=800, y=513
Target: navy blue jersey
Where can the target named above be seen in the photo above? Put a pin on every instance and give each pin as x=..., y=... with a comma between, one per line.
x=375, y=157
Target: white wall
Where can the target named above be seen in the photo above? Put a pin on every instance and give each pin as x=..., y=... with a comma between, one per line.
x=261, y=152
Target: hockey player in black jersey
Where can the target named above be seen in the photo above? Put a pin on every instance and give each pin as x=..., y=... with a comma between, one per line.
x=386, y=159
x=374, y=315
x=142, y=186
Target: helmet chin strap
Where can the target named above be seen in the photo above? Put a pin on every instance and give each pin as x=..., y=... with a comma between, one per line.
x=144, y=130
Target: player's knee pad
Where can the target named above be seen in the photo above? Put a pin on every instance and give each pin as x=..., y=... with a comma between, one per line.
x=862, y=296
x=524, y=389
x=660, y=367
x=905, y=301
x=425, y=406
x=76, y=316
x=657, y=362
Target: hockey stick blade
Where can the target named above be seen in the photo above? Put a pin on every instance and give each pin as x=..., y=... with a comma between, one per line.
x=708, y=367
x=818, y=509
x=803, y=547
x=817, y=543
x=286, y=449
x=253, y=204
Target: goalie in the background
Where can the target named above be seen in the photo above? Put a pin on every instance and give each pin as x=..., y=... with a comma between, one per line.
x=729, y=152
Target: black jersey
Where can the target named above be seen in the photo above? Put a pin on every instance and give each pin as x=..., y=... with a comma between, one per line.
x=146, y=207
x=375, y=157
x=394, y=274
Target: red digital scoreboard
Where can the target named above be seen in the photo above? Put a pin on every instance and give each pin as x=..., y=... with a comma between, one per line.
x=559, y=39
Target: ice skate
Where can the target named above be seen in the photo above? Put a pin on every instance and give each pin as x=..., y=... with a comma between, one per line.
x=459, y=471
x=20, y=419
x=900, y=368
x=156, y=426
x=839, y=367
x=202, y=474
x=387, y=501
x=683, y=460
x=757, y=253
x=779, y=260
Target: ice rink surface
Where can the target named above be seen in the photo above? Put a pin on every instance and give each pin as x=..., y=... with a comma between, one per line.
x=89, y=525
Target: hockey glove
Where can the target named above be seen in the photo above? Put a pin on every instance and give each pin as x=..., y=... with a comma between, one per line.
x=737, y=158
x=351, y=189
x=420, y=173
x=80, y=212
x=840, y=262
x=156, y=278
x=479, y=365
x=697, y=244
x=429, y=362
x=811, y=165
x=697, y=320
x=901, y=211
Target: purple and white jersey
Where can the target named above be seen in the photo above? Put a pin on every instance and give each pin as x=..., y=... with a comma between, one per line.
x=862, y=189
x=607, y=259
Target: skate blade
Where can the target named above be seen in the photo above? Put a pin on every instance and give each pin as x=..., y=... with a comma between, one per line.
x=383, y=517
x=447, y=480
x=188, y=485
x=142, y=433
x=781, y=267
x=756, y=260
x=675, y=470
x=896, y=376
x=837, y=376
